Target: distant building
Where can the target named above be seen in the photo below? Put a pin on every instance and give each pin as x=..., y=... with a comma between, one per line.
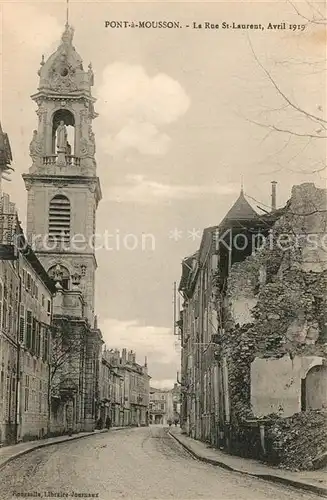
x=161, y=406
x=124, y=389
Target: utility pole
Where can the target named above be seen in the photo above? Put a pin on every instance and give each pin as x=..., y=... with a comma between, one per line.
x=174, y=309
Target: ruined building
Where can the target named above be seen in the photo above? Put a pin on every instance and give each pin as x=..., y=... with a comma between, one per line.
x=253, y=326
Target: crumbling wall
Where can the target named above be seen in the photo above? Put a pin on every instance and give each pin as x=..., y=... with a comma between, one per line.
x=276, y=309
x=276, y=384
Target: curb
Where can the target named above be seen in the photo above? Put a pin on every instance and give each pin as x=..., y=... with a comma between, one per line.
x=266, y=477
x=64, y=440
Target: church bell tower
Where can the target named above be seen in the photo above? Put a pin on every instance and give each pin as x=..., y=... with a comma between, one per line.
x=63, y=188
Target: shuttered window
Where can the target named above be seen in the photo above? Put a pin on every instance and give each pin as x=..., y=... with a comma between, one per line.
x=38, y=338
x=46, y=344
x=28, y=329
x=22, y=324
x=59, y=218
x=34, y=335
x=1, y=297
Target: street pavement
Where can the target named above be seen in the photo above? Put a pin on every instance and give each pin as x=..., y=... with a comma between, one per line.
x=136, y=463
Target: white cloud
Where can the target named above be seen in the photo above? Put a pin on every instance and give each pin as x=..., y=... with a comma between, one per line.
x=157, y=343
x=143, y=137
x=163, y=384
x=139, y=189
x=136, y=105
x=36, y=31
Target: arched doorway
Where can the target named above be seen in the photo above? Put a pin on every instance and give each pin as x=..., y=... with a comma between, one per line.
x=314, y=389
x=63, y=115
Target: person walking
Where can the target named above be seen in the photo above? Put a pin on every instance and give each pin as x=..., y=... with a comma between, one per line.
x=108, y=422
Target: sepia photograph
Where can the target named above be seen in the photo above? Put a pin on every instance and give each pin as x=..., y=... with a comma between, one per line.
x=163, y=249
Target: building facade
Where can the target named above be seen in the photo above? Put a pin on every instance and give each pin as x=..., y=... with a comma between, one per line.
x=124, y=389
x=252, y=342
x=161, y=406
x=25, y=317
x=63, y=194
x=176, y=393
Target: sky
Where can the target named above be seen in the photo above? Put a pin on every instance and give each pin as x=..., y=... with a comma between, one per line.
x=185, y=116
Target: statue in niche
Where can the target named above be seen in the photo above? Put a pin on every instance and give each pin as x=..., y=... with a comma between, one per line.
x=35, y=146
x=91, y=74
x=62, y=136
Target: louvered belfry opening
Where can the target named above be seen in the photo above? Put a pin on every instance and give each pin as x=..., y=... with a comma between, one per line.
x=59, y=218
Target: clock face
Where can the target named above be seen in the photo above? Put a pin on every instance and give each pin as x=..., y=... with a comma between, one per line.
x=64, y=71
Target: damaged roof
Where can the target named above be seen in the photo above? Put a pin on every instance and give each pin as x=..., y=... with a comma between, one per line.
x=241, y=210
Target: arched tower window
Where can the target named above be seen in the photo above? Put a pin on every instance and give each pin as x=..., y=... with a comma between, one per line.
x=60, y=274
x=65, y=116
x=59, y=218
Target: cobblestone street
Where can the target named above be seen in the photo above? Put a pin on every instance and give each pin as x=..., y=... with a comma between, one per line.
x=138, y=463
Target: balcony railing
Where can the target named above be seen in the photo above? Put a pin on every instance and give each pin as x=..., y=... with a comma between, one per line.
x=71, y=160
x=8, y=236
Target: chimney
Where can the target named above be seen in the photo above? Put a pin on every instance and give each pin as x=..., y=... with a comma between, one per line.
x=130, y=356
x=273, y=195
x=123, y=356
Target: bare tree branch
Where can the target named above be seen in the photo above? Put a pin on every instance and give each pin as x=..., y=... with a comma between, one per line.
x=313, y=20
x=287, y=131
x=315, y=118
x=64, y=345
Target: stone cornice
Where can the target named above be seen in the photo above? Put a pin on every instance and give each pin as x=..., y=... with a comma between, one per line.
x=65, y=179
x=50, y=95
x=67, y=253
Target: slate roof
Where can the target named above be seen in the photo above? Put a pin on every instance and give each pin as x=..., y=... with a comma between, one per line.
x=241, y=210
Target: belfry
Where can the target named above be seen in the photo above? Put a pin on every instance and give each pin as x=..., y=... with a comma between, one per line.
x=63, y=196
x=63, y=189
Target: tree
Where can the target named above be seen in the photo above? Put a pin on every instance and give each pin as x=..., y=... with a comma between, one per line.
x=314, y=122
x=67, y=354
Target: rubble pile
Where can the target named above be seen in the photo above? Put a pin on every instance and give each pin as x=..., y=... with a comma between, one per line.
x=298, y=440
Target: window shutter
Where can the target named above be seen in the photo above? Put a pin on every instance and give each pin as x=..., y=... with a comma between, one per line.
x=34, y=334
x=1, y=297
x=38, y=342
x=46, y=344
x=59, y=218
x=41, y=341
x=28, y=329
x=22, y=324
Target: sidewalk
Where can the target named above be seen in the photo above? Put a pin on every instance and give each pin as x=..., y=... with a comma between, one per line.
x=314, y=481
x=8, y=453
